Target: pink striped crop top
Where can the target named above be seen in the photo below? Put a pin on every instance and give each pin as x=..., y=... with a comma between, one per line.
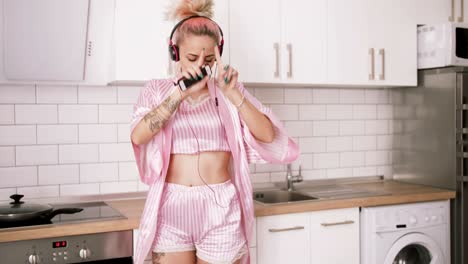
x=202, y=118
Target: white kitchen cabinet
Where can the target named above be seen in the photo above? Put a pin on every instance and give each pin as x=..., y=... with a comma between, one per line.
x=142, y=39
x=45, y=40
x=334, y=236
x=283, y=239
x=286, y=46
x=56, y=42
x=371, y=43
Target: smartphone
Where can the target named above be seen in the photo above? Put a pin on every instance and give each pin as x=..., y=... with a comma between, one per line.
x=185, y=83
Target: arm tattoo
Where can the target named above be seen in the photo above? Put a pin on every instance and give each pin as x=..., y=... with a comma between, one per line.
x=157, y=257
x=162, y=113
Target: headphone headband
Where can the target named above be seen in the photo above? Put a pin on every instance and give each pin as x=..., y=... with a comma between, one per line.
x=174, y=49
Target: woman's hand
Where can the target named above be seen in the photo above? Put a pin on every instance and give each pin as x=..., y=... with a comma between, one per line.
x=193, y=72
x=227, y=75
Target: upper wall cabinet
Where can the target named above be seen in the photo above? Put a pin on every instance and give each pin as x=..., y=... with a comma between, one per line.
x=53, y=40
x=286, y=46
x=142, y=37
x=332, y=42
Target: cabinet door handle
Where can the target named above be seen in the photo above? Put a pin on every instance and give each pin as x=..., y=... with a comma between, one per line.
x=274, y=230
x=462, y=15
x=347, y=222
x=372, y=73
x=289, y=48
x=451, y=17
x=382, y=53
x=276, y=47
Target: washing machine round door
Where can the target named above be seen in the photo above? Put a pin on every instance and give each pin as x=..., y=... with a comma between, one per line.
x=415, y=248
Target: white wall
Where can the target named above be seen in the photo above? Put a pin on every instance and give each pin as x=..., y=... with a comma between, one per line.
x=75, y=140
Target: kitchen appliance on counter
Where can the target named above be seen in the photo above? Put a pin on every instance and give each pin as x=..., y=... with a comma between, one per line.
x=111, y=247
x=442, y=45
x=430, y=146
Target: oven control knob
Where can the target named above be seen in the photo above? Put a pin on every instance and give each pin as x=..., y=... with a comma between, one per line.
x=85, y=253
x=33, y=259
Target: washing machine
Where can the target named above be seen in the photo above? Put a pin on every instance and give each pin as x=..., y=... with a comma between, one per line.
x=416, y=233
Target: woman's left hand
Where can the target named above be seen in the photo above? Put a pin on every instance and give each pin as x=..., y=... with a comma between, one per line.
x=227, y=75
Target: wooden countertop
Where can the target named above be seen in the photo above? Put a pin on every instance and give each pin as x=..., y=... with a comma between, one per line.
x=396, y=193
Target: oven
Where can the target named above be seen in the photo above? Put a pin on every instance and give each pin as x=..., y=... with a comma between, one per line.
x=99, y=248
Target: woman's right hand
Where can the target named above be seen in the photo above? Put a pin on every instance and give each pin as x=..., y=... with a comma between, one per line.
x=193, y=71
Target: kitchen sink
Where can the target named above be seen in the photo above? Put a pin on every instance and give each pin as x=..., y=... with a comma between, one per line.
x=280, y=196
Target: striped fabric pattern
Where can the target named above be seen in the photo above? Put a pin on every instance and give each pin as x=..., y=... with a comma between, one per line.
x=202, y=219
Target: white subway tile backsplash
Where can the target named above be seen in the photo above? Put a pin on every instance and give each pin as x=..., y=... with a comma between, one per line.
x=376, y=158
x=79, y=189
x=298, y=128
x=57, y=94
x=17, y=135
x=340, y=173
x=267, y=167
x=18, y=176
x=298, y=96
x=313, y=144
x=339, y=112
x=97, y=95
x=386, y=171
x=352, y=96
x=7, y=156
x=286, y=112
x=352, y=159
x=7, y=114
x=384, y=112
x=376, y=96
x=314, y=174
x=364, y=143
x=39, y=192
x=82, y=153
x=385, y=142
x=325, y=128
x=98, y=133
x=99, y=172
x=128, y=171
x=128, y=94
x=142, y=187
x=36, y=155
x=376, y=127
x=77, y=114
x=18, y=94
x=36, y=114
x=364, y=112
x=326, y=96
x=326, y=160
x=270, y=95
x=5, y=193
x=351, y=128
x=260, y=177
x=119, y=187
x=116, y=152
x=115, y=113
x=58, y=174
x=312, y=112
x=57, y=134
x=364, y=171
x=123, y=133
x=335, y=144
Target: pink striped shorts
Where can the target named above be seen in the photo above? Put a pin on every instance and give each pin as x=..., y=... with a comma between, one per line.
x=191, y=219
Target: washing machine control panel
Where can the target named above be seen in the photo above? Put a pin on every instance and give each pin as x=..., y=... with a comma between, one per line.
x=410, y=216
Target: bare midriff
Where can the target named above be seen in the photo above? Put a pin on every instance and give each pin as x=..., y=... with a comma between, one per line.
x=213, y=167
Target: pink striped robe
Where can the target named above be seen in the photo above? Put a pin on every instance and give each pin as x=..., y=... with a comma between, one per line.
x=153, y=157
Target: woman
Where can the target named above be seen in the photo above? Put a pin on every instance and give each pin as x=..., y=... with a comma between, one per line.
x=193, y=147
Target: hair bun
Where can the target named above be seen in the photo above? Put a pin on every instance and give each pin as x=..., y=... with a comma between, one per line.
x=185, y=8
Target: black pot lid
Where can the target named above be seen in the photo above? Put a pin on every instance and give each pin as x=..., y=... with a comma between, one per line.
x=18, y=207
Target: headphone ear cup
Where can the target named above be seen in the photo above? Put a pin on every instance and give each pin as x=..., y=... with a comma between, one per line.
x=220, y=48
x=174, y=52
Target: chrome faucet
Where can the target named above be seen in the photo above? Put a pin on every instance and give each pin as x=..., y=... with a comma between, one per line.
x=290, y=179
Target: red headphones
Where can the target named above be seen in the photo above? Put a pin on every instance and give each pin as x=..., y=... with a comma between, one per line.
x=174, y=49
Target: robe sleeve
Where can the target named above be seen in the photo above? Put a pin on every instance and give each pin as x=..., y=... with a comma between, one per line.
x=148, y=156
x=282, y=149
